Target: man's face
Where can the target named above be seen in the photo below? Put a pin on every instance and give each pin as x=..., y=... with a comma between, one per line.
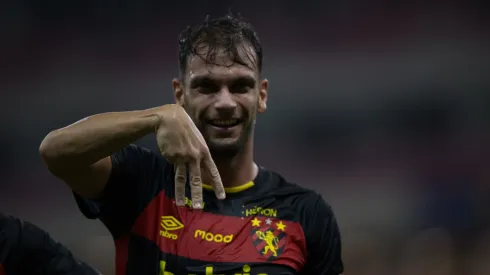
x=222, y=100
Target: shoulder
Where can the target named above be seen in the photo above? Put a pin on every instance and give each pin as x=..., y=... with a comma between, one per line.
x=23, y=233
x=10, y=233
x=10, y=226
x=305, y=200
x=5, y=220
x=306, y=206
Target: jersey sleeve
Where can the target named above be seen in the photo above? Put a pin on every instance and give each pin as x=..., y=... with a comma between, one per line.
x=323, y=241
x=130, y=187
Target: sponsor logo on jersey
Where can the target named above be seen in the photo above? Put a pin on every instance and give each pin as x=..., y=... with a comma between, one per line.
x=170, y=223
x=210, y=237
x=268, y=237
x=257, y=210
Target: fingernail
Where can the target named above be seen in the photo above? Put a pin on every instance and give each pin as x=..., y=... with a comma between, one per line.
x=197, y=205
x=180, y=203
x=221, y=195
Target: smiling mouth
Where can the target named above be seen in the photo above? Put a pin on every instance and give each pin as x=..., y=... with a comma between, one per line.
x=224, y=123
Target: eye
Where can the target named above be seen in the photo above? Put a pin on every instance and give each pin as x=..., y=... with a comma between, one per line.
x=242, y=86
x=206, y=87
x=240, y=89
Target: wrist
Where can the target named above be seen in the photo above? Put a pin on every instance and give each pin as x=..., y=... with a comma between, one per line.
x=155, y=116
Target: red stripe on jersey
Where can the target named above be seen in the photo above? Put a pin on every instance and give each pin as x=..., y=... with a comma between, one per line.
x=2, y=271
x=122, y=245
x=205, y=236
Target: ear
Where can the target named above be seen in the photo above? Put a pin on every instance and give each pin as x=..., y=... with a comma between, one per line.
x=178, y=91
x=264, y=84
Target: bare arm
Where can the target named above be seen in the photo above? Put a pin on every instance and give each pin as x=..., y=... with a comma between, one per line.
x=79, y=154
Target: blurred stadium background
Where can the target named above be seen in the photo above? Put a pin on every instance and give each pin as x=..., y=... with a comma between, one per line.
x=382, y=106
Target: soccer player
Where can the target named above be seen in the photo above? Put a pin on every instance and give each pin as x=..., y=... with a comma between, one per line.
x=26, y=249
x=202, y=206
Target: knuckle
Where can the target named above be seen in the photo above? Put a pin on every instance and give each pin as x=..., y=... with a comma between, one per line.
x=196, y=154
x=180, y=177
x=174, y=152
x=196, y=197
x=195, y=181
x=205, y=151
x=214, y=173
x=180, y=154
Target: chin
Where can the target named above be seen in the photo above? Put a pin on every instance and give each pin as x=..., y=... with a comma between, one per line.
x=227, y=142
x=224, y=145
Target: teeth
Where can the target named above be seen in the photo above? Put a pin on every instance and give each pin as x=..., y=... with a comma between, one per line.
x=223, y=122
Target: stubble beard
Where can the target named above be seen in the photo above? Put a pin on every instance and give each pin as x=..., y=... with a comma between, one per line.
x=224, y=149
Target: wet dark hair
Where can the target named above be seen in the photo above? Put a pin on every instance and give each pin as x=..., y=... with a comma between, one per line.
x=214, y=35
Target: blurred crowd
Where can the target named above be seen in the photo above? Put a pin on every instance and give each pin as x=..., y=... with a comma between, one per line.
x=381, y=106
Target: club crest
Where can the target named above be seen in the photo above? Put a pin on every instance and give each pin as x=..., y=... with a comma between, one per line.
x=268, y=236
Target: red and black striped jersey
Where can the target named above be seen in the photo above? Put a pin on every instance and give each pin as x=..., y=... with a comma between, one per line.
x=268, y=226
x=26, y=249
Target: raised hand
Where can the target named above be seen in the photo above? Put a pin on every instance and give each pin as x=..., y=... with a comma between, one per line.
x=182, y=144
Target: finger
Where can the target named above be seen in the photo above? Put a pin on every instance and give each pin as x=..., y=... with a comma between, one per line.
x=215, y=178
x=180, y=179
x=196, y=184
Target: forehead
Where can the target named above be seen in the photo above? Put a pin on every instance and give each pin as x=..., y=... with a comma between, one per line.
x=222, y=66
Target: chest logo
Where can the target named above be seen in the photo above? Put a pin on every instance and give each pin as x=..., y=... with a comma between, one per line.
x=170, y=223
x=269, y=237
x=210, y=237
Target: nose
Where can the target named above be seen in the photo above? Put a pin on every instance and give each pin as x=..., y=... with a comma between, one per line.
x=225, y=101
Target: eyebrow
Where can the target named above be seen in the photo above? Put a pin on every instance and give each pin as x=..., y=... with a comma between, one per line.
x=203, y=79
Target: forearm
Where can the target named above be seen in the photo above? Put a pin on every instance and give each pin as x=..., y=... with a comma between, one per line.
x=93, y=138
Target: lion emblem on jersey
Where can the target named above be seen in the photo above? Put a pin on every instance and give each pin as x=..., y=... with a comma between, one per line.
x=271, y=242
x=269, y=237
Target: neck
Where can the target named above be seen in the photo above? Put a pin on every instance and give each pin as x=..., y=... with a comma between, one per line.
x=238, y=169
